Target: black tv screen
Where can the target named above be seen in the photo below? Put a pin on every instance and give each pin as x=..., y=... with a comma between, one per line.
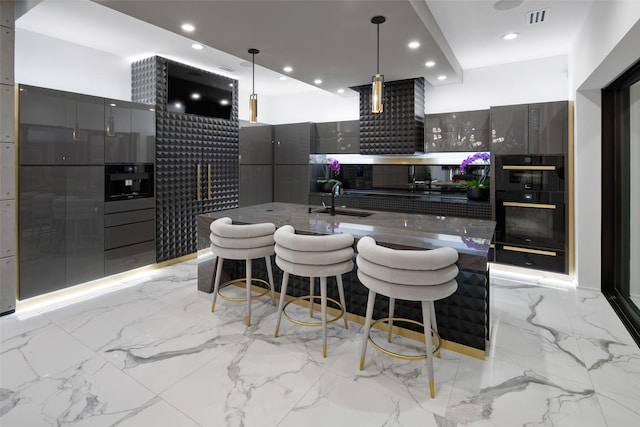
x=199, y=92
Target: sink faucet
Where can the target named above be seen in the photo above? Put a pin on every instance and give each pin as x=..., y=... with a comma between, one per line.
x=335, y=191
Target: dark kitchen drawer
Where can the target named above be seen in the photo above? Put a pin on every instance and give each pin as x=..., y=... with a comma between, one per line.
x=129, y=234
x=129, y=205
x=130, y=217
x=129, y=257
x=539, y=259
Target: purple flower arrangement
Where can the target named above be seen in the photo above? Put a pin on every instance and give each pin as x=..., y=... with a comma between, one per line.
x=472, y=158
x=334, y=165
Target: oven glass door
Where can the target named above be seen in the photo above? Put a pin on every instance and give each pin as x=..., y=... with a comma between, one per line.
x=530, y=178
x=538, y=225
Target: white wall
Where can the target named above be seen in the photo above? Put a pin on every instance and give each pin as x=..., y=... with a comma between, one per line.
x=56, y=64
x=604, y=48
x=540, y=80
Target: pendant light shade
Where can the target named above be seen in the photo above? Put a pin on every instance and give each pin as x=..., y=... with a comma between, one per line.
x=377, y=81
x=253, y=98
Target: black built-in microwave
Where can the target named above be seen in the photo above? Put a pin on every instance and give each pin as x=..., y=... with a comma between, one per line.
x=128, y=181
x=529, y=173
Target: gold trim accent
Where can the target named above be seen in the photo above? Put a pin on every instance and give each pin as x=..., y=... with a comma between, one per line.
x=529, y=251
x=310, y=297
x=528, y=205
x=198, y=184
x=570, y=198
x=432, y=389
x=528, y=168
x=209, y=181
x=241, y=283
x=404, y=356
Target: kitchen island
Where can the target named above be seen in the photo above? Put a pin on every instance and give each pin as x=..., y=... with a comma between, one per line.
x=463, y=318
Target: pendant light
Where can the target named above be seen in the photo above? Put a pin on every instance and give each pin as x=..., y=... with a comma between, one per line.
x=377, y=81
x=253, y=98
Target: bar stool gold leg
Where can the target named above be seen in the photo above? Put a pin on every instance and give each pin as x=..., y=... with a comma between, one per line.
x=323, y=304
x=392, y=308
x=426, y=316
x=249, y=272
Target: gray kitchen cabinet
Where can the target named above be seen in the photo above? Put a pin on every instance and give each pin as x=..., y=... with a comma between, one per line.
x=541, y=128
x=60, y=128
x=256, y=184
x=61, y=222
x=292, y=144
x=256, y=145
x=256, y=165
x=457, y=131
x=548, y=128
x=509, y=132
x=129, y=132
x=336, y=137
x=291, y=184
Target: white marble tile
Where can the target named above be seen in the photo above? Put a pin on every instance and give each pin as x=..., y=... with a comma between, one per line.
x=91, y=393
x=170, y=342
x=252, y=383
x=338, y=401
x=498, y=393
x=406, y=379
x=152, y=353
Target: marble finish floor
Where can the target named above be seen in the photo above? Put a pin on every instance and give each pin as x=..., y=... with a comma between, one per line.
x=150, y=353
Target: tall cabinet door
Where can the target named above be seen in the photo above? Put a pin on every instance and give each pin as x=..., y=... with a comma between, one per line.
x=84, y=223
x=143, y=133
x=61, y=229
x=549, y=127
x=60, y=128
x=256, y=165
x=117, y=129
x=509, y=129
x=291, y=163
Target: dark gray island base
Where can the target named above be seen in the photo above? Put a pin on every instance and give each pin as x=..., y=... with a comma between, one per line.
x=463, y=318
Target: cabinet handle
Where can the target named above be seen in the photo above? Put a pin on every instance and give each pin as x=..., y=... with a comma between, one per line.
x=209, y=181
x=529, y=251
x=528, y=205
x=528, y=168
x=198, y=184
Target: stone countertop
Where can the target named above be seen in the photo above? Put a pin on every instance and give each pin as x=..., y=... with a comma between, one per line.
x=471, y=237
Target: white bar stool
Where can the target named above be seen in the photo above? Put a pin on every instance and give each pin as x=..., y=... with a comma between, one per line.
x=412, y=275
x=242, y=242
x=313, y=256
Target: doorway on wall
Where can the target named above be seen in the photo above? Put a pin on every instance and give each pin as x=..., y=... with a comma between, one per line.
x=621, y=197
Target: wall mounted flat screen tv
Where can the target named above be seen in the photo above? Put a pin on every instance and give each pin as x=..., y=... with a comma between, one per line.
x=199, y=92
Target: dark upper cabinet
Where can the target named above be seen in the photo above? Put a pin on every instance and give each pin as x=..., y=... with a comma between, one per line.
x=509, y=129
x=549, y=128
x=256, y=145
x=61, y=228
x=129, y=132
x=458, y=131
x=60, y=128
x=336, y=137
x=292, y=143
x=541, y=128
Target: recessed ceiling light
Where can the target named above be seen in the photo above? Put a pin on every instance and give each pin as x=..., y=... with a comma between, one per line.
x=430, y=64
x=414, y=45
x=287, y=69
x=195, y=95
x=443, y=77
x=510, y=36
x=189, y=28
x=197, y=46
x=283, y=77
x=317, y=81
x=230, y=84
x=112, y=104
x=340, y=90
x=224, y=102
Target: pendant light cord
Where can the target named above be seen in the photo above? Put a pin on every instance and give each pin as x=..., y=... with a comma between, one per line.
x=378, y=51
x=253, y=77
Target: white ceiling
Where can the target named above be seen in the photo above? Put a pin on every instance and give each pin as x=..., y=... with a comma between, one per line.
x=333, y=40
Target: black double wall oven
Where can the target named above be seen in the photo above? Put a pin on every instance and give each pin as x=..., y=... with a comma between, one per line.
x=531, y=212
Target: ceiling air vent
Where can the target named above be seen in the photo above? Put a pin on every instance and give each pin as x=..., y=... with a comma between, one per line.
x=537, y=16
x=227, y=69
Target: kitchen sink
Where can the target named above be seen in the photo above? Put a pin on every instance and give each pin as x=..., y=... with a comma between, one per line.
x=344, y=212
